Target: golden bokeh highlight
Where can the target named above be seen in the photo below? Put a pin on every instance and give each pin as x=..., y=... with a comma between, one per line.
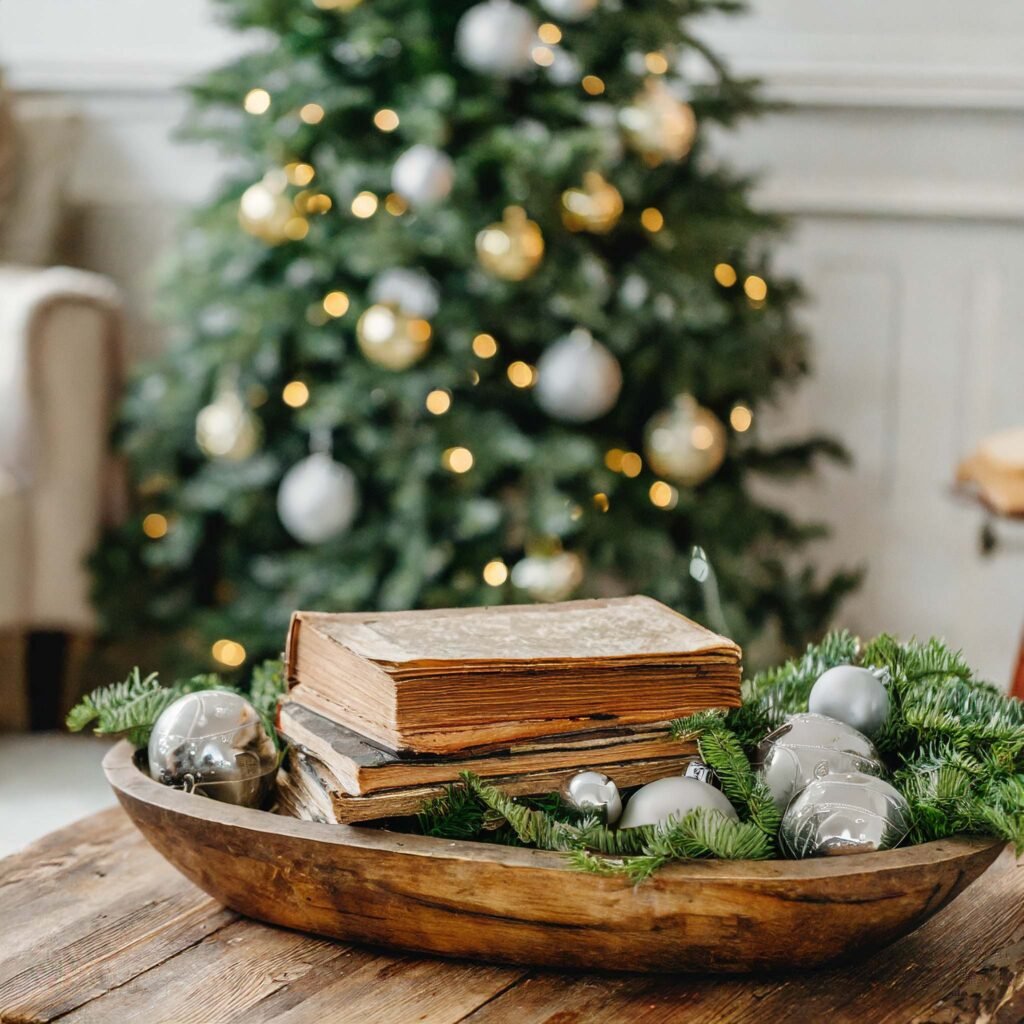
x=155, y=526
x=257, y=101
x=652, y=219
x=702, y=437
x=656, y=63
x=386, y=120
x=438, y=401
x=495, y=572
x=315, y=202
x=311, y=113
x=725, y=275
x=601, y=502
x=336, y=304
x=228, y=652
x=663, y=495
x=419, y=331
x=741, y=418
x=632, y=464
x=299, y=173
x=458, y=460
x=364, y=205
x=296, y=229
x=485, y=346
x=521, y=374
x=295, y=394
x=592, y=85
x=613, y=459
x=549, y=33
x=543, y=55
x=395, y=204
x=756, y=288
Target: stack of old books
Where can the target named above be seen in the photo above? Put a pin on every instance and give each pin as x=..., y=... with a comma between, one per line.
x=384, y=709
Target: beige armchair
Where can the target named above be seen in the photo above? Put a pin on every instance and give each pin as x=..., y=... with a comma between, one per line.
x=60, y=345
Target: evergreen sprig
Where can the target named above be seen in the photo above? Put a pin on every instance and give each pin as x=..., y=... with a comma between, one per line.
x=131, y=707
x=953, y=743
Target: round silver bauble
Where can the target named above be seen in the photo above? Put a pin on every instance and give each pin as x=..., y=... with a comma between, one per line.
x=495, y=38
x=549, y=577
x=590, y=792
x=666, y=800
x=318, y=499
x=852, y=695
x=412, y=291
x=215, y=743
x=578, y=379
x=423, y=175
x=844, y=812
x=799, y=751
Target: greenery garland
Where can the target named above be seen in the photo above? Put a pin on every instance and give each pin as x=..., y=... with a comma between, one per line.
x=954, y=746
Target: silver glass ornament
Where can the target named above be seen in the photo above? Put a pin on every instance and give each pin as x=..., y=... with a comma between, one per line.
x=856, y=696
x=844, y=812
x=793, y=755
x=593, y=792
x=215, y=743
x=666, y=800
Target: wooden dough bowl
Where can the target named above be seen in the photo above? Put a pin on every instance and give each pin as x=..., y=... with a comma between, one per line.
x=530, y=906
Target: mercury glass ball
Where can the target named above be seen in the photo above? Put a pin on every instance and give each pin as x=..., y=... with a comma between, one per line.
x=593, y=792
x=666, y=800
x=215, y=743
x=852, y=695
x=842, y=813
x=808, y=745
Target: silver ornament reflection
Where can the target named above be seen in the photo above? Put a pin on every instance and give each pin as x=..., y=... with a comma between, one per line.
x=807, y=745
x=495, y=38
x=318, y=499
x=844, y=812
x=214, y=742
x=423, y=175
x=412, y=291
x=852, y=695
x=673, y=798
x=578, y=379
x=569, y=10
x=593, y=792
x=549, y=577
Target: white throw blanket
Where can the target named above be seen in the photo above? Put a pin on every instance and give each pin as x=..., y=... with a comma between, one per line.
x=25, y=296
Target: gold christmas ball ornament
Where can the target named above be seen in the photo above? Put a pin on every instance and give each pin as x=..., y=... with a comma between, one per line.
x=511, y=248
x=391, y=338
x=227, y=428
x=686, y=443
x=596, y=207
x=266, y=213
x=659, y=125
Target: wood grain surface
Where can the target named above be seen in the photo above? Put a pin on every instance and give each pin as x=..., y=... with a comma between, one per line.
x=97, y=927
x=502, y=904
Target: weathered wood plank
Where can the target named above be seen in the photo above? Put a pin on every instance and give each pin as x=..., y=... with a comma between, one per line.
x=219, y=979
x=87, y=909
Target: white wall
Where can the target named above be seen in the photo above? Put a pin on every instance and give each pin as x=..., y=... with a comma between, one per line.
x=902, y=161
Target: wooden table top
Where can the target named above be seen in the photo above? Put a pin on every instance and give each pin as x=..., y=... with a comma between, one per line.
x=96, y=927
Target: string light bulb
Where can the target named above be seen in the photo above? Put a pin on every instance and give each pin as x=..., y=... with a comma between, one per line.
x=295, y=394
x=592, y=85
x=457, y=460
x=601, y=502
x=522, y=375
x=741, y=418
x=311, y=113
x=652, y=219
x=663, y=495
x=300, y=174
x=438, y=401
x=364, y=205
x=756, y=288
x=336, y=304
x=386, y=120
x=549, y=33
x=632, y=464
x=257, y=101
x=228, y=652
x=725, y=275
x=155, y=526
x=484, y=346
x=495, y=572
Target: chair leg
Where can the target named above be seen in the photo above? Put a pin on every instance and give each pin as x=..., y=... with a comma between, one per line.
x=46, y=663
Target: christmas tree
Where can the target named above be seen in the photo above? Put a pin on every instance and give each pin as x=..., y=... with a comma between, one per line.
x=478, y=317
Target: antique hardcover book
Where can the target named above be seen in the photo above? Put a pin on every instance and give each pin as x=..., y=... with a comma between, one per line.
x=308, y=789
x=456, y=680
x=362, y=767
